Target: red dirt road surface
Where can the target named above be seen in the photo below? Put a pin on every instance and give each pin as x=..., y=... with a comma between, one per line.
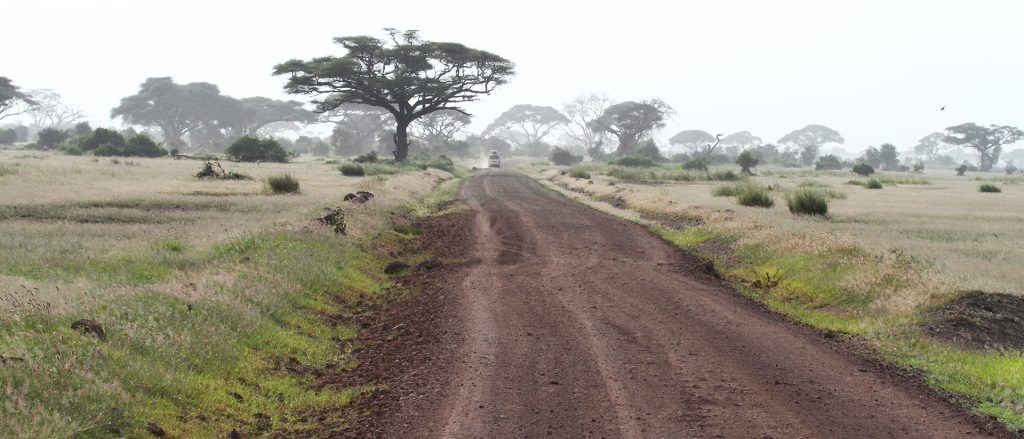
x=566, y=322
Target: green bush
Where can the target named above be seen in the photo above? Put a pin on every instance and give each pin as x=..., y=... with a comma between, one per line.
x=633, y=161
x=807, y=202
x=51, y=138
x=442, y=162
x=873, y=184
x=252, y=149
x=863, y=169
x=961, y=170
x=754, y=195
x=579, y=173
x=747, y=162
x=828, y=163
x=283, y=184
x=697, y=164
x=563, y=157
x=113, y=141
x=351, y=170
x=989, y=187
x=370, y=157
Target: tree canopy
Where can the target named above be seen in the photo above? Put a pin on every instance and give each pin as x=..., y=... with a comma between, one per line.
x=988, y=141
x=696, y=141
x=440, y=127
x=811, y=135
x=176, y=108
x=12, y=100
x=631, y=121
x=582, y=112
x=357, y=127
x=524, y=124
x=406, y=76
x=51, y=111
x=254, y=113
x=930, y=145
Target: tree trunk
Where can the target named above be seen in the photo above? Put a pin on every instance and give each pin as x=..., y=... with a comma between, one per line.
x=627, y=145
x=401, y=137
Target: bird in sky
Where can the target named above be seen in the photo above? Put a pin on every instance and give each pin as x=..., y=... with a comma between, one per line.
x=943, y=108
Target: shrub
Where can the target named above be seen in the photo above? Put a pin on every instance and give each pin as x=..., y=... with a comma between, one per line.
x=873, y=184
x=563, y=157
x=9, y=136
x=142, y=146
x=650, y=150
x=213, y=169
x=961, y=170
x=633, y=161
x=112, y=140
x=989, y=187
x=1011, y=168
x=723, y=176
x=747, y=162
x=754, y=195
x=51, y=138
x=252, y=149
x=828, y=163
x=863, y=169
x=370, y=157
x=807, y=202
x=442, y=162
x=697, y=164
x=919, y=167
x=351, y=170
x=579, y=173
x=283, y=184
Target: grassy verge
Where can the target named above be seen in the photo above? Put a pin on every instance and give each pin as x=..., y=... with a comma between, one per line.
x=830, y=281
x=199, y=340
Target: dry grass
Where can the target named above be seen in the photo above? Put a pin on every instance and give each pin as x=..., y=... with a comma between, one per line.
x=132, y=247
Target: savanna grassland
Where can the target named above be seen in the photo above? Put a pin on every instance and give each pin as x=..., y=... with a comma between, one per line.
x=876, y=267
x=211, y=294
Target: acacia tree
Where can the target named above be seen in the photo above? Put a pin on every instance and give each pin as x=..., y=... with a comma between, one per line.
x=987, y=141
x=177, y=109
x=809, y=140
x=12, y=100
x=740, y=141
x=440, y=127
x=929, y=146
x=582, y=112
x=406, y=76
x=697, y=141
x=51, y=111
x=525, y=124
x=252, y=114
x=630, y=121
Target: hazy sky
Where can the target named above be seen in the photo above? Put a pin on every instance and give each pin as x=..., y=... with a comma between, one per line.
x=877, y=71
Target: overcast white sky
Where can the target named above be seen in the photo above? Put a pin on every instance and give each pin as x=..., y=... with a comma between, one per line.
x=877, y=71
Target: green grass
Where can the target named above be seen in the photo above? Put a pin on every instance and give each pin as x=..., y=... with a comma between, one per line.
x=873, y=183
x=890, y=179
x=200, y=353
x=351, y=170
x=643, y=175
x=755, y=196
x=283, y=184
x=807, y=202
x=727, y=190
x=576, y=172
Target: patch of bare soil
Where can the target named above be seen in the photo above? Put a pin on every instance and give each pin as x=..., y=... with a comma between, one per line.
x=981, y=320
x=402, y=346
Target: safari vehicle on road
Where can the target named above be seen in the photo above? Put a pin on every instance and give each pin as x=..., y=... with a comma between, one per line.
x=493, y=160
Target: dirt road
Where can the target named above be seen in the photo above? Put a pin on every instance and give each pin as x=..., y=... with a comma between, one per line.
x=570, y=323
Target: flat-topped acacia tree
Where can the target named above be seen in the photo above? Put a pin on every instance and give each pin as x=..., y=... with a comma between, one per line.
x=406, y=76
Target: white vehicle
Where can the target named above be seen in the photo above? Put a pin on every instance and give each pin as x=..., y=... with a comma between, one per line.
x=493, y=160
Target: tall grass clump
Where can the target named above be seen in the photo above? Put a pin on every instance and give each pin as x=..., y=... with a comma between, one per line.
x=807, y=202
x=755, y=196
x=579, y=173
x=283, y=184
x=351, y=170
x=727, y=190
x=873, y=184
x=989, y=187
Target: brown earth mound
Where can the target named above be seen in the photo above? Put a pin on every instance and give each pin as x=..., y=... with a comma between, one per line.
x=981, y=320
